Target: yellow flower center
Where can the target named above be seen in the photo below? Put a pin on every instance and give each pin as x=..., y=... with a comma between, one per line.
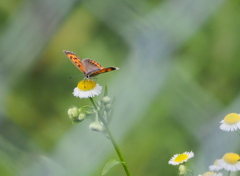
x=181, y=157
x=231, y=158
x=208, y=174
x=86, y=85
x=232, y=118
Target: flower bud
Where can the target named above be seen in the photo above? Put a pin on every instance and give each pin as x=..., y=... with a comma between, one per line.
x=96, y=126
x=182, y=170
x=81, y=117
x=73, y=112
x=106, y=100
x=108, y=107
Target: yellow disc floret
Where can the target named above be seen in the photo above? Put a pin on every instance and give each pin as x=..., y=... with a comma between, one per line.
x=86, y=85
x=232, y=118
x=231, y=158
x=181, y=157
x=209, y=174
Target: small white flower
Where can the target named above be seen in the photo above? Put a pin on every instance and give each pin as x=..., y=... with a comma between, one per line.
x=211, y=174
x=231, y=122
x=180, y=158
x=215, y=166
x=87, y=88
x=230, y=162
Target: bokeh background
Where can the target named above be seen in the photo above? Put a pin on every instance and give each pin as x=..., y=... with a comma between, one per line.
x=179, y=76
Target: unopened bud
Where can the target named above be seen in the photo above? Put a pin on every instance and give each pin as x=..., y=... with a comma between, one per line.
x=108, y=107
x=182, y=170
x=106, y=100
x=81, y=117
x=96, y=126
x=73, y=112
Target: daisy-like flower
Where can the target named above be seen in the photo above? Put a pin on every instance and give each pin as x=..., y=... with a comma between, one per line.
x=230, y=162
x=211, y=174
x=180, y=158
x=231, y=122
x=215, y=166
x=87, y=88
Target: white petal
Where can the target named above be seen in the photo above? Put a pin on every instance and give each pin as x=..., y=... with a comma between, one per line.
x=89, y=93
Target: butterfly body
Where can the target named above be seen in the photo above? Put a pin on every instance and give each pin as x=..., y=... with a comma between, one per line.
x=88, y=67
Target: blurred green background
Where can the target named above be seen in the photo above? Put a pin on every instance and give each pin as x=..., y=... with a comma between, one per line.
x=179, y=76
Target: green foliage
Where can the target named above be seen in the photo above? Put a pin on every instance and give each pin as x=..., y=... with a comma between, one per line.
x=109, y=165
x=177, y=79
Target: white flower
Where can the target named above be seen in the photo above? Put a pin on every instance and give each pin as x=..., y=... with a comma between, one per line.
x=230, y=162
x=231, y=122
x=215, y=166
x=87, y=88
x=180, y=158
x=211, y=174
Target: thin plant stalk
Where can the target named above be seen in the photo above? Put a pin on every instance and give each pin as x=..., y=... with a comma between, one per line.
x=116, y=147
x=229, y=173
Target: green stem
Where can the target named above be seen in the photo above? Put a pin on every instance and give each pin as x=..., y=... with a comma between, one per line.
x=95, y=106
x=117, y=149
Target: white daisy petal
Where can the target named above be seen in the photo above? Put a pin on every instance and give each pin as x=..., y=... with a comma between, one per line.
x=215, y=166
x=87, y=88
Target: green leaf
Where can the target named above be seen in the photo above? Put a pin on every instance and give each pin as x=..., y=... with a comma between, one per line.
x=106, y=90
x=111, y=163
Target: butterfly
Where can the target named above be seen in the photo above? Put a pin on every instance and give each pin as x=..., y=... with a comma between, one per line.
x=88, y=67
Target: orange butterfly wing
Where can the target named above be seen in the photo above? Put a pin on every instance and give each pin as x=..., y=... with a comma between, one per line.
x=93, y=68
x=96, y=64
x=104, y=70
x=75, y=60
x=88, y=67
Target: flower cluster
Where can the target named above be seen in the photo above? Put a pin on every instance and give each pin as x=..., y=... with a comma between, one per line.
x=77, y=115
x=99, y=112
x=229, y=161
